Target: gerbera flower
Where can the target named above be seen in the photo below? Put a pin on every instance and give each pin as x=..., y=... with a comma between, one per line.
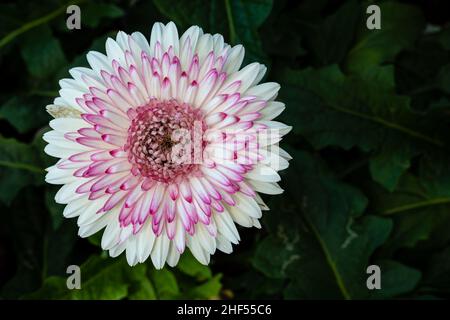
x=165, y=144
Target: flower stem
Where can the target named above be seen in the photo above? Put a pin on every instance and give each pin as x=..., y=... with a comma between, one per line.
x=230, y=22
x=35, y=23
x=23, y=166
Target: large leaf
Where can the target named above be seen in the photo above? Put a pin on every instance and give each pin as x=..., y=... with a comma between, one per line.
x=190, y=266
x=332, y=109
x=19, y=167
x=40, y=250
x=42, y=52
x=330, y=38
x=25, y=224
x=437, y=275
x=420, y=207
x=327, y=252
x=93, y=13
x=25, y=112
x=101, y=278
x=396, y=279
x=243, y=18
x=401, y=24
x=165, y=284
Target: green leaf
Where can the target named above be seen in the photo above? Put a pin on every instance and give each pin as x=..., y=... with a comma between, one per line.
x=243, y=19
x=141, y=288
x=437, y=275
x=327, y=252
x=420, y=207
x=19, y=167
x=101, y=279
x=331, y=38
x=165, y=284
x=93, y=13
x=24, y=112
x=389, y=164
x=26, y=227
x=332, y=109
x=80, y=60
x=59, y=245
x=190, y=266
x=145, y=291
x=243, y=285
x=187, y=13
x=40, y=250
x=401, y=24
x=444, y=79
x=54, y=208
x=42, y=52
x=96, y=239
x=209, y=289
x=396, y=279
x=271, y=251
x=417, y=71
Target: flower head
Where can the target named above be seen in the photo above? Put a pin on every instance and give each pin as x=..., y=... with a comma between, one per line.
x=165, y=144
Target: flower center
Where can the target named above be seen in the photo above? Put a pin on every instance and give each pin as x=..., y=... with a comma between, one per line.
x=161, y=140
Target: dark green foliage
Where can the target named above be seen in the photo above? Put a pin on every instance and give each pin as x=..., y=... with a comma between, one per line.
x=369, y=182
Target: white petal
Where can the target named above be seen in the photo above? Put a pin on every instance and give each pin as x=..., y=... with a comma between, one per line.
x=246, y=76
x=226, y=226
x=69, y=96
x=59, y=176
x=256, y=223
x=170, y=38
x=118, y=249
x=67, y=192
x=197, y=251
x=205, y=239
x=266, y=91
x=218, y=44
x=110, y=236
x=234, y=59
x=261, y=203
x=114, y=51
x=263, y=173
x=204, y=47
x=141, y=41
x=188, y=45
x=261, y=72
x=276, y=126
x=88, y=230
x=131, y=251
x=156, y=36
x=247, y=205
x=122, y=40
x=64, y=125
x=240, y=217
x=75, y=207
x=90, y=215
x=160, y=251
x=272, y=110
x=223, y=244
x=265, y=187
x=57, y=139
x=146, y=240
x=73, y=84
x=58, y=152
x=99, y=62
x=173, y=257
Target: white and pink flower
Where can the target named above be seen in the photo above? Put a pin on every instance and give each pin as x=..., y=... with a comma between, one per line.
x=165, y=144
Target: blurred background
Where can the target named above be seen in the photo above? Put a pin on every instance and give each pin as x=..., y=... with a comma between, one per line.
x=369, y=182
